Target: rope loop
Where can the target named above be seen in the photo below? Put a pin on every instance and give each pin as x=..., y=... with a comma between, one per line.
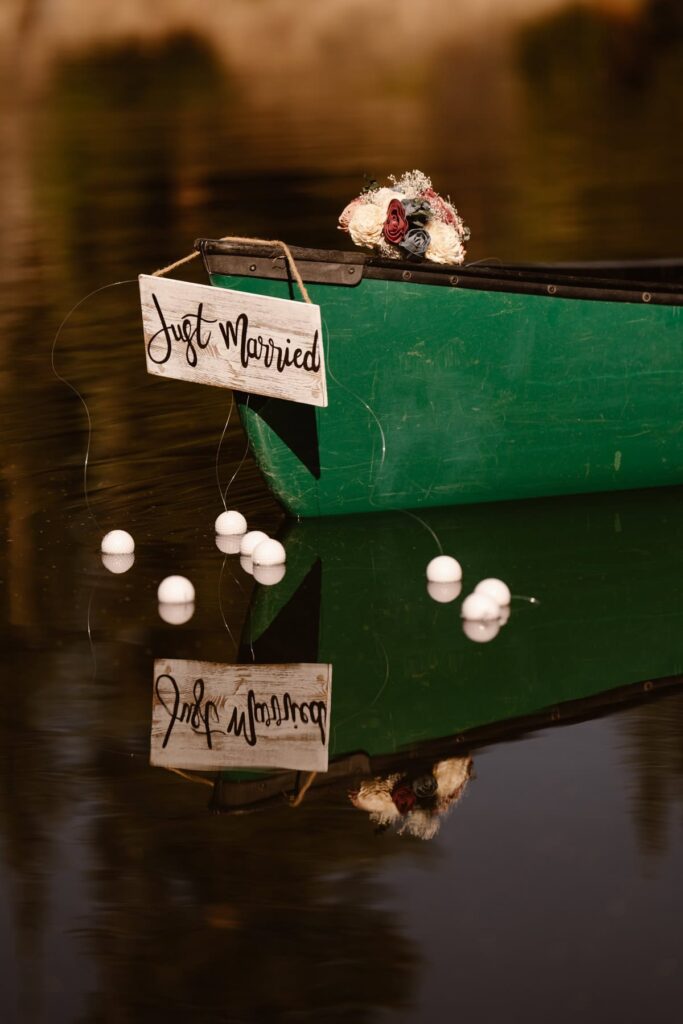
x=253, y=241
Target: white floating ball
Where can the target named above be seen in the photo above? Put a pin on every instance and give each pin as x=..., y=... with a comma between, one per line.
x=230, y=523
x=443, y=592
x=499, y=591
x=175, y=590
x=176, y=614
x=480, y=632
x=269, y=552
x=247, y=564
x=118, y=563
x=229, y=544
x=444, y=569
x=250, y=540
x=480, y=608
x=268, y=575
x=118, y=542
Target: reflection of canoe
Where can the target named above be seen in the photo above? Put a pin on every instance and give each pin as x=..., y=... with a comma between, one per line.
x=607, y=573
x=456, y=385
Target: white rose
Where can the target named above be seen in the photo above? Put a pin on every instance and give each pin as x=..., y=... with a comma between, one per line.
x=383, y=196
x=366, y=223
x=445, y=245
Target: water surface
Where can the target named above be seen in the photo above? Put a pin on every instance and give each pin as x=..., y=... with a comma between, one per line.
x=553, y=886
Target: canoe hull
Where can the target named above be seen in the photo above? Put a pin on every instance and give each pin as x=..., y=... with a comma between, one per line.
x=604, y=570
x=412, y=685
x=444, y=396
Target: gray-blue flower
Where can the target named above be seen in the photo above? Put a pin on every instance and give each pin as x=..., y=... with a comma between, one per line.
x=416, y=242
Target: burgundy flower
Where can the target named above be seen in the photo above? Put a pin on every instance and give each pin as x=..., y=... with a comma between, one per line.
x=403, y=796
x=396, y=224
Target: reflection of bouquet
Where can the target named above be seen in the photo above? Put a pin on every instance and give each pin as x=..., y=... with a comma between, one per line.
x=407, y=219
x=414, y=804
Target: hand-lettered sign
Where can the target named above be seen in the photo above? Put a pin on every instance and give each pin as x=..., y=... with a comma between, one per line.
x=207, y=716
x=233, y=339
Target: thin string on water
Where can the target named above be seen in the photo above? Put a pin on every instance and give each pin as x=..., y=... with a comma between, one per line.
x=69, y=384
x=248, y=630
x=369, y=409
x=426, y=526
x=91, y=642
x=524, y=597
x=374, y=700
x=220, y=599
x=224, y=494
x=74, y=389
x=218, y=452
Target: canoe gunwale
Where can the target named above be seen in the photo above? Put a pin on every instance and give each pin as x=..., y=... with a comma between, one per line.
x=231, y=796
x=593, y=282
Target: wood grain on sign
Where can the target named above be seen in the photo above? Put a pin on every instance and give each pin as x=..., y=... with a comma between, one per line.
x=206, y=715
x=233, y=339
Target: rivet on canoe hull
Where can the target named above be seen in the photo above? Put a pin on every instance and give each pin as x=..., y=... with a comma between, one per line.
x=646, y=297
x=455, y=280
x=351, y=270
x=252, y=267
x=551, y=289
x=407, y=275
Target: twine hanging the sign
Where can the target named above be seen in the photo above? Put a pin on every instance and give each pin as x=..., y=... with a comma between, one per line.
x=296, y=801
x=247, y=241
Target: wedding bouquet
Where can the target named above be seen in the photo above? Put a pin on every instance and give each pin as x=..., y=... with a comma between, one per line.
x=407, y=219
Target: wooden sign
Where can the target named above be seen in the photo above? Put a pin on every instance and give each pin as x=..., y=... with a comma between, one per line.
x=207, y=716
x=233, y=339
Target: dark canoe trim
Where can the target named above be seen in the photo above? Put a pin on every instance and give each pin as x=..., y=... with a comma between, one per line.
x=232, y=797
x=569, y=712
x=657, y=282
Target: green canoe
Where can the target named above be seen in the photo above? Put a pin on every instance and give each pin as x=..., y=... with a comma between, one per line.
x=457, y=385
x=410, y=684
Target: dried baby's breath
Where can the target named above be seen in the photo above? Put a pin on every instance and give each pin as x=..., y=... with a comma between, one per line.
x=412, y=183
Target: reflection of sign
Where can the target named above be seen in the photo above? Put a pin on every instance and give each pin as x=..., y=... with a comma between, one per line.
x=233, y=339
x=206, y=715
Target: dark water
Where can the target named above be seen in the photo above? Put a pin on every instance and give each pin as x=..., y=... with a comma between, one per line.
x=553, y=888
